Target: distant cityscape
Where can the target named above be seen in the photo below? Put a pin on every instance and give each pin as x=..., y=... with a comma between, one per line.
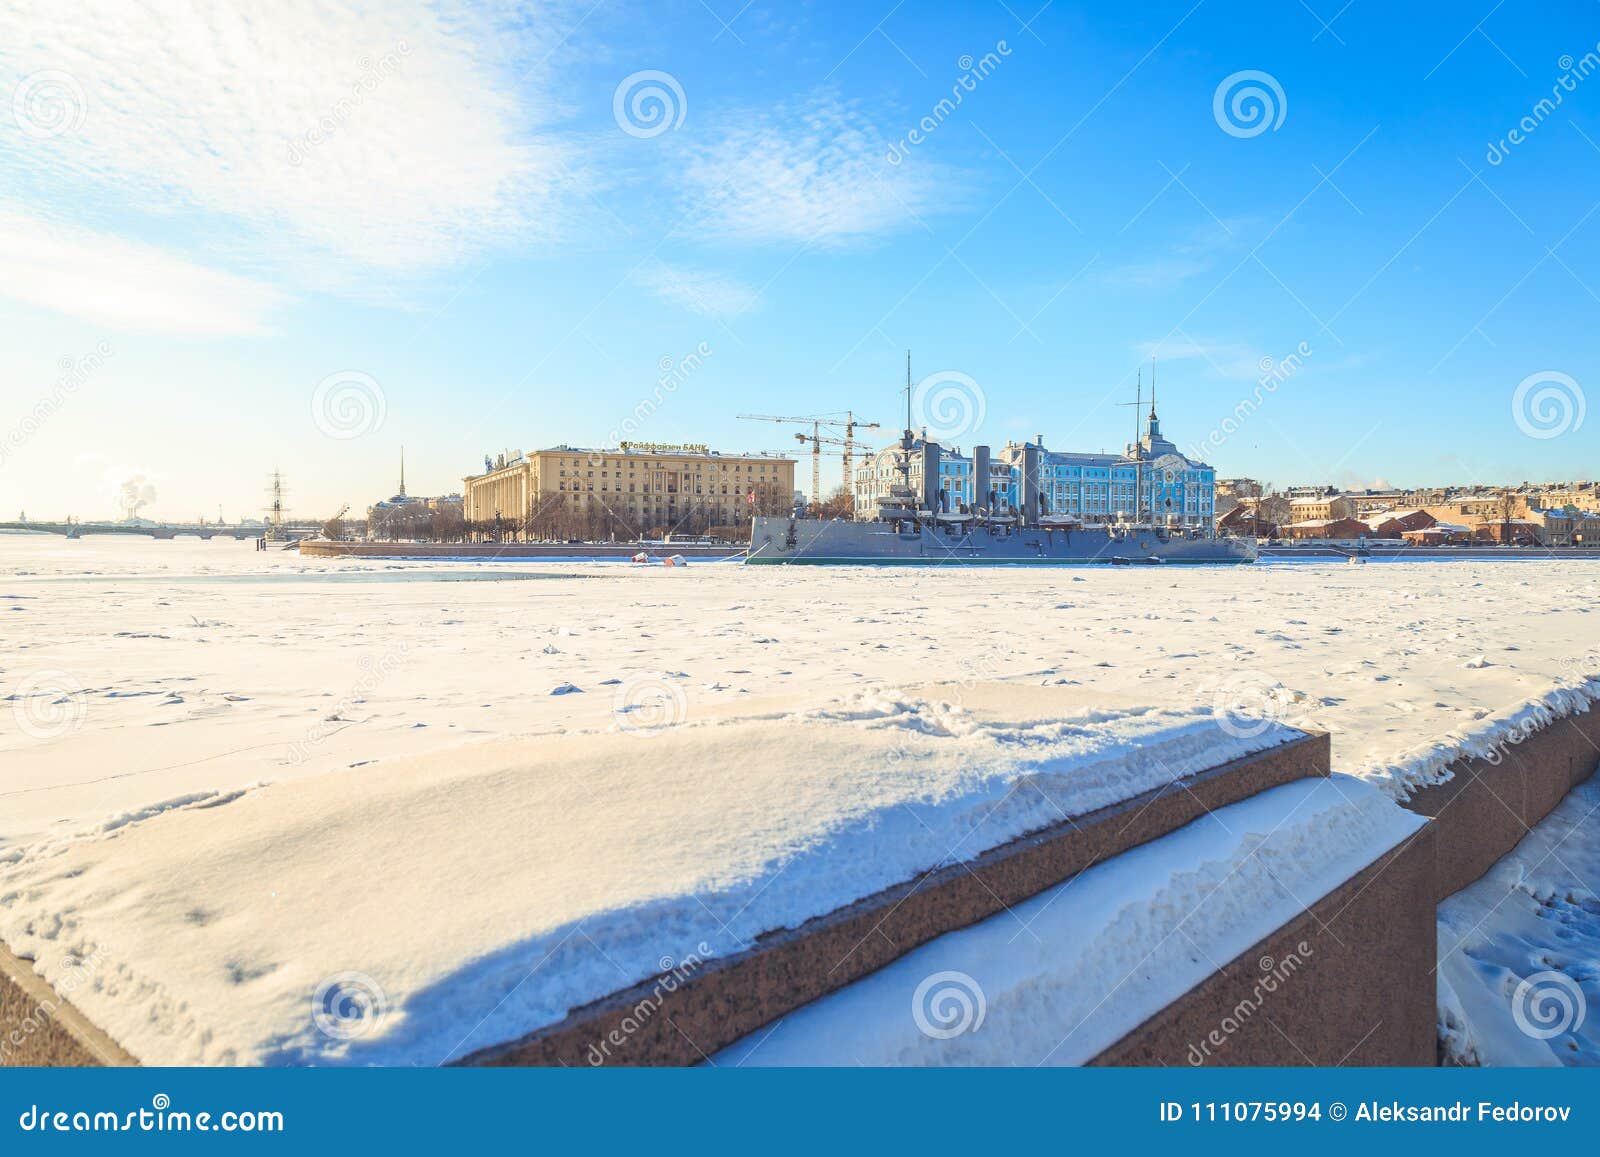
x=1528, y=514
x=639, y=490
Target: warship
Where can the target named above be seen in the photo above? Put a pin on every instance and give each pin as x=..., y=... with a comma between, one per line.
x=916, y=526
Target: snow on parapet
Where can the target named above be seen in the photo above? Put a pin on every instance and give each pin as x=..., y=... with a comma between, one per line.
x=456, y=901
x=1061, y=977
x=1494, y=736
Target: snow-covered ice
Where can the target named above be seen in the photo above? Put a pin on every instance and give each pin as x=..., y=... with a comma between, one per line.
x=206, y=666
x=243, y=774
x=1519, y=950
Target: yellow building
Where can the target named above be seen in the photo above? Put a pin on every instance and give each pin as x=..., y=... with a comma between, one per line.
x=1325, y=508
x=637, y=490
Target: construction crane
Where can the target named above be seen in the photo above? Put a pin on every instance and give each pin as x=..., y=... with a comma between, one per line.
x=816, y=449
x=839, y=420
x=850, y=445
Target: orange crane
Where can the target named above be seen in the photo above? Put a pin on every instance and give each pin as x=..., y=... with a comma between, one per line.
x=838, y=420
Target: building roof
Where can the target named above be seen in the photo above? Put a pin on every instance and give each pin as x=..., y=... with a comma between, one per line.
x=1008, y=455
x=652, y=450
x=1174, y=460
x=1085, y=458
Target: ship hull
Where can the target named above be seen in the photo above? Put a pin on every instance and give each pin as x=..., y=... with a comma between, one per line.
x=814, y=542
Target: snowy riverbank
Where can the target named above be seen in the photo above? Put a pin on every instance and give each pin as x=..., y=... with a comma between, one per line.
x=487, y=802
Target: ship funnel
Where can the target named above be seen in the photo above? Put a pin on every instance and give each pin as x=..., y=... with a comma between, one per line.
x=980, y=477
x=1030, y=485
x=930, y=475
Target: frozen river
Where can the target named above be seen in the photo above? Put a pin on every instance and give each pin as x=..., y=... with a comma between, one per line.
x=137, y=671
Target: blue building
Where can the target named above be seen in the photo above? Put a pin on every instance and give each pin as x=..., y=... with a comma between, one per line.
x=1152, y=481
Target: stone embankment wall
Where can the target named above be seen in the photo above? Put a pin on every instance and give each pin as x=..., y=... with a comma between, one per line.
x=1366, y=996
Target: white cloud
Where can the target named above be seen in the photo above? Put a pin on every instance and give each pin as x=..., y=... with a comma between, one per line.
x=708, y=294
x=123, y=284
x=385, y=134
x=1229, y=359
x=816, y=172
x=1191, y=255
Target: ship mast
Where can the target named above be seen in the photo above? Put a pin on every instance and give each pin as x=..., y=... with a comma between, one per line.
x=1152, y=423
x=1138, y=451
x=908, y=391
x=907, y=437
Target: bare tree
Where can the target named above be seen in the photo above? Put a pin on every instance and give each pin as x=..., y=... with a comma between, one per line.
x=1505, y=507
x=835, y=505
x=1274, y=509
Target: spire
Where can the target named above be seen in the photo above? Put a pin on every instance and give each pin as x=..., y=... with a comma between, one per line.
x=402, y=471
x=1152, y=387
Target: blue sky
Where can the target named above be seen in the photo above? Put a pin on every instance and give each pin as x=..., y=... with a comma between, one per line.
x=299, y=234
